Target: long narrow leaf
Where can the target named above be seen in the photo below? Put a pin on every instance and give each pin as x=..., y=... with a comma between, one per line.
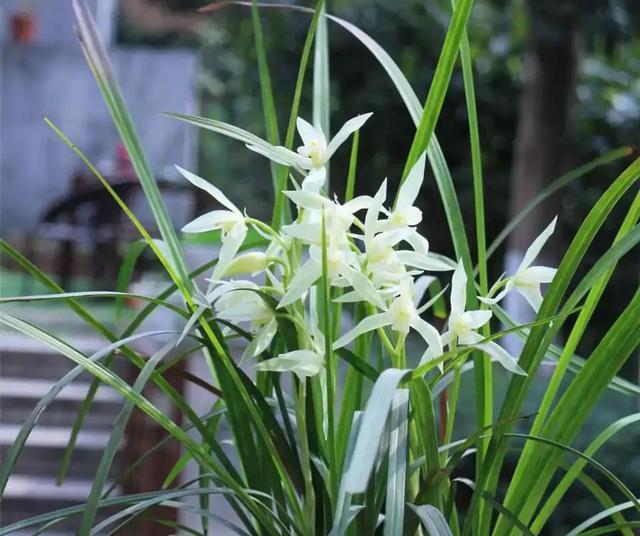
x=371, y=430
x=117, y=433
x=100, y=65
x=397, y=466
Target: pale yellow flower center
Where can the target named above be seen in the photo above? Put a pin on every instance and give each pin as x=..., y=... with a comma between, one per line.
x=316, y=153
x=398, y=218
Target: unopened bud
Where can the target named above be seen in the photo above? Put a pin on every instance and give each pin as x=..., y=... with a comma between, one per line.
x=249, y=263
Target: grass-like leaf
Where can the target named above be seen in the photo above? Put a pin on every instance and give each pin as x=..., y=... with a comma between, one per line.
x=117, y=433
x=100, y=65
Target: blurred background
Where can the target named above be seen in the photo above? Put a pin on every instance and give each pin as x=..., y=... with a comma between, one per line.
x=557, y=85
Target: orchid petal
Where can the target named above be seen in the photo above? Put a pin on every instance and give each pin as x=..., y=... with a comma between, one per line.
x=410, y=188
x=499, y=354
x=364, y=326
x=498, y=297
x=308, y=232
x=214, y=192
x=347, y=129
x=306, y=276
x=371, y=218
x=458, y=290
x=420, y=286
x=429, y=354
x=211, y=221
x=303, y=363
x=364, y=287
x=468, y=338
x=307, y=132
x=532, y=294
x=261, y=340
x=424, y=262
x=348, y=297
x=306, y=199
x=314, y=181
x=537, y=245
x=537, y=274
x=418, y=242
x=428, y=333
x=358, y=203
x=476, y=319
x=230, y=246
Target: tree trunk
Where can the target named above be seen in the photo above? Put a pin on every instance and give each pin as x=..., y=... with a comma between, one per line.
x=543, y=137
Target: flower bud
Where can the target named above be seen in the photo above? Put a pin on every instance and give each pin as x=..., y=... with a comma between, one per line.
x=249, y=263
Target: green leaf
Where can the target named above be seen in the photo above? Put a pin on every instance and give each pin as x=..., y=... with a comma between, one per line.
x=131, y=255
x=326, y=308
x=601, y=468
x=125, y=390
x=281, y=210
x=353, y=165
x=424, y=427
x=608, y=529
x=432, y=520
x=341, y=517
x=440, y=83
x=397, y=466
x=553, y=187
x=115, y=438
x=93, y=295
x=77, y=509
x=358, y=363
x=371, y=430
x=12, y=455
x=507, y=514
x=234, y=132
x=100, y=65
x=579, y=398
x=574, y=471
x=266, y=90
x=541, y=336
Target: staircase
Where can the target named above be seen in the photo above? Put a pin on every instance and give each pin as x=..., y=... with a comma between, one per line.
x=28, y=370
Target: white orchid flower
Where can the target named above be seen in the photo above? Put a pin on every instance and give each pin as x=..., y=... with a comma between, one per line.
x=338, y=217
x=315, y=152
x=462, y=325
x=237, y=302
x=527, y=279
x=383, y=262
x=230, y=222
x=404, y=213
x=303, y=363
x=342, y=269
x=401, y=315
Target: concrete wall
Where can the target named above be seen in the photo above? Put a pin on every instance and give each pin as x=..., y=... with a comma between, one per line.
x=35, y=166
x=55, y=19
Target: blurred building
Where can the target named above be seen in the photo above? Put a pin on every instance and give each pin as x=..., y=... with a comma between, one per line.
x=44, y=73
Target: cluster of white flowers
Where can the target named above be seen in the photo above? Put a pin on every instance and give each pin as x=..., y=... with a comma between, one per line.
x=372, y=253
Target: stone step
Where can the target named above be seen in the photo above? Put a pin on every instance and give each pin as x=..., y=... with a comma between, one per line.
x=29, y=496
x=30, y=361
x=45, y=461
x=60, y=413
x=54, y=437
x=18, y=396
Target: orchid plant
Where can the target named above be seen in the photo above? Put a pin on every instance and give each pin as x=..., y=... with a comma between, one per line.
x=338, y=344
